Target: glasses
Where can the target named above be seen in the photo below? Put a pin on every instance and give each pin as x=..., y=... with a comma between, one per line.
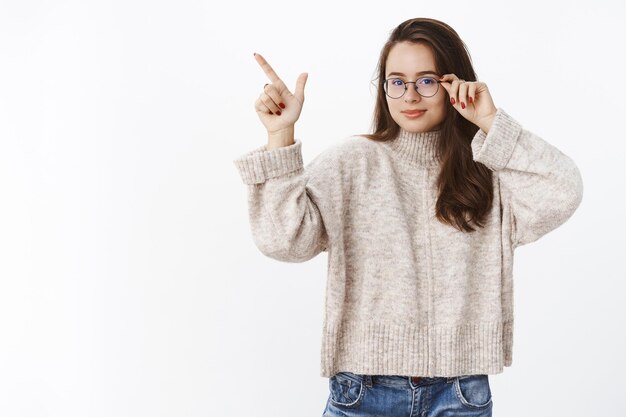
x=425, y=87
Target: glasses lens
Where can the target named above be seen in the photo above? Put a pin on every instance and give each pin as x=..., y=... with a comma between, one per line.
x=427, y=86
x=394, y=87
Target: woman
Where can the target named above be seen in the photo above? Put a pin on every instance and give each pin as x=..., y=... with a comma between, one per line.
x=420, y=219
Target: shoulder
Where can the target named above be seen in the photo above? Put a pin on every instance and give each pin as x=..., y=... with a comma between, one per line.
x=350, y=147
x=342, y=154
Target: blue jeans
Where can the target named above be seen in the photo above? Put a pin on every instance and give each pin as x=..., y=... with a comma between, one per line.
x=353, y=395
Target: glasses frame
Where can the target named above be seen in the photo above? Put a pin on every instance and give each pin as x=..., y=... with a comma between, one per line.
x=406, y=87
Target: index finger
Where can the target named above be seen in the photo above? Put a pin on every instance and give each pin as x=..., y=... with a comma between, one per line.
x=269, y=71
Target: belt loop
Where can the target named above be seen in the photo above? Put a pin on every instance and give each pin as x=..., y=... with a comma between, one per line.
x=368, y=380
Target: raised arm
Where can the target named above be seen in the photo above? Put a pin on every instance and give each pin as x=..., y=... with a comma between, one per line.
x=284, y=199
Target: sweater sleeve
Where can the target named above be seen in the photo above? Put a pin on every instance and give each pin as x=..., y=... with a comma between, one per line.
x=540, y=186
x=285, y=201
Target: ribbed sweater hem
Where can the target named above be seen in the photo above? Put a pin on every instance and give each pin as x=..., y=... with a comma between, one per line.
x=379, y=348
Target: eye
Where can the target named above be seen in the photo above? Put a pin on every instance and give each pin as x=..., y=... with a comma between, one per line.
x=397, y=82
x=427, y=81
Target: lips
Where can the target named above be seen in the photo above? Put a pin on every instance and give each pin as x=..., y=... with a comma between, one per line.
x=413, y=112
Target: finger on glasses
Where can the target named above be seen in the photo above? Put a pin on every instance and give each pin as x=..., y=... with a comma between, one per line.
x=445, y=77
x=452, y=87
x=269, y=71
x=448, y=78
x=273, y=94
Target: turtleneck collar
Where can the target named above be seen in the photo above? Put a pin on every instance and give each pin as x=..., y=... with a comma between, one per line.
x=418, y=148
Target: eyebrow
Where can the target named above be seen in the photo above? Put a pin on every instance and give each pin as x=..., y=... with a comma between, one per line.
x=418, y=73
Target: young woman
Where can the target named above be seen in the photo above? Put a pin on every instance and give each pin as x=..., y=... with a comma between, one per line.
x=420, y=219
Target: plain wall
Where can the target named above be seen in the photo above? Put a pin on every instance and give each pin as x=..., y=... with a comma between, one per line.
x=129, y=281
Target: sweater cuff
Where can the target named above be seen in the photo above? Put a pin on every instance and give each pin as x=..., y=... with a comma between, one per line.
x=494, y=149
x=260, y=164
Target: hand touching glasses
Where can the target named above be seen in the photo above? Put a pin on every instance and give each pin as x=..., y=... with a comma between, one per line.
x=471, y=99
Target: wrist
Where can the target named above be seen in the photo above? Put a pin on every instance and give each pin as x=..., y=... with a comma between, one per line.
x=281, y=137
x=486, y=123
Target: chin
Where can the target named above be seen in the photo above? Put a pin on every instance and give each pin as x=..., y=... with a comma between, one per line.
x=419, y=125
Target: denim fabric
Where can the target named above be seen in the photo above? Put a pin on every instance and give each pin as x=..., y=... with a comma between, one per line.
x=354, y=395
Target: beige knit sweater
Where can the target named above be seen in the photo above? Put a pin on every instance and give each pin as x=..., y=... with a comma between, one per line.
x=407, y=294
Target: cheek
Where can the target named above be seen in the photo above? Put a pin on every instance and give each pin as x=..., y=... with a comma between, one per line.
x=392, y=105
x=444, y=98
x=441, y=103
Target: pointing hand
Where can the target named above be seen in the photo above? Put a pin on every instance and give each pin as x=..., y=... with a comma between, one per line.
x=272, y=114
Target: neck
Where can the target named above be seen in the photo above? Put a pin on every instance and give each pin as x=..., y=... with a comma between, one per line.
x=419, y=148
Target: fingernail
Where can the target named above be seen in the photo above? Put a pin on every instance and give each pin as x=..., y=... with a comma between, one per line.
x=255, y=54
x=452, y=100
x=282, y=105
x=462, y=105
x=278, y=112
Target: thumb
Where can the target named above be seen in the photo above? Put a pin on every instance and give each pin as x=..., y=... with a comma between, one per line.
x=300, y=83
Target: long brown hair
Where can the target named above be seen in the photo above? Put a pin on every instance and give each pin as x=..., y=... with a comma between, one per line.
x=465, y=186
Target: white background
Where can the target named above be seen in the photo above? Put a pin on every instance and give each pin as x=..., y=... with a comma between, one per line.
x=129, y=282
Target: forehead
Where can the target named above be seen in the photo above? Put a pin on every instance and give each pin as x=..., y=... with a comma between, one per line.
x=410, y=58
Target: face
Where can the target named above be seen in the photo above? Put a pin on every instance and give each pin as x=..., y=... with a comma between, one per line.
x=411, y=59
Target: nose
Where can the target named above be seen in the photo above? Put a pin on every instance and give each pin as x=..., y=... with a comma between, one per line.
x=411, y=94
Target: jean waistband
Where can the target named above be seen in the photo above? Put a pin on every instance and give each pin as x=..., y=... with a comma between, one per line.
x=397, y=380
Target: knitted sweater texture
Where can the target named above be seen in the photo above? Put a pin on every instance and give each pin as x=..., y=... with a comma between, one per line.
x=407, y=294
